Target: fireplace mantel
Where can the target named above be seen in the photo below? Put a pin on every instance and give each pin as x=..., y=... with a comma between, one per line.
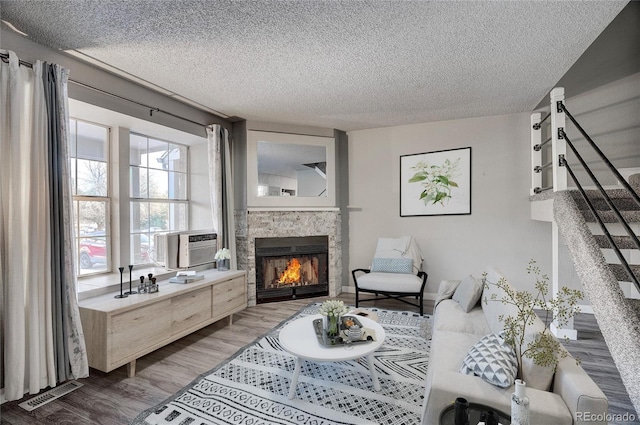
x=267, y=223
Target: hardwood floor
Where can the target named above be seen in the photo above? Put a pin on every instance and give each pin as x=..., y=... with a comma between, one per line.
x=115, y=399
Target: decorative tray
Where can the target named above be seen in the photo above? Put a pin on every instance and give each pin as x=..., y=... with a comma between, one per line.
x=368, y=334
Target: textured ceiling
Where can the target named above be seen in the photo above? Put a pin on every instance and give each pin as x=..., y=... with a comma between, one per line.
x=338, y=64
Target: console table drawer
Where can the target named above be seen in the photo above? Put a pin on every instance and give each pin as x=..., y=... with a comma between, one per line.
x=134, y=330
x=190, y=309
x=228, y=296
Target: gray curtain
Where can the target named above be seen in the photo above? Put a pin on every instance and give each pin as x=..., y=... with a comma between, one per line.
x=70, y=350
x=221, y=188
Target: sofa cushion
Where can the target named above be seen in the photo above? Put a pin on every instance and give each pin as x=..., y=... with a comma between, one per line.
x=394, y=282
x=392, y=265
x=468, y=293
x=446, y=290
x=493, y=360
x=538, y=377
x=451, y=317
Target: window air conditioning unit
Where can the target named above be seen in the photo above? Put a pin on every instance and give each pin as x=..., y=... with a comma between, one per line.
x=182, y=250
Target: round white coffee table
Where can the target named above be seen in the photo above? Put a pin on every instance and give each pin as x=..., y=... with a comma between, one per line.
x=299, y=338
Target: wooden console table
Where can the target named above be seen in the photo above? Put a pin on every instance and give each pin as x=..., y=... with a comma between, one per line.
x=119, y=331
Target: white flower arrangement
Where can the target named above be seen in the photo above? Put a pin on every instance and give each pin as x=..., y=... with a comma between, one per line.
x=223, y=254
x=333, y=308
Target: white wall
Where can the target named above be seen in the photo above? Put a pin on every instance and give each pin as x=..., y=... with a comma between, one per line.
x=499, y=231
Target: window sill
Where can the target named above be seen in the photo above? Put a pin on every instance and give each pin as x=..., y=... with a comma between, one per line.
x=92, y=286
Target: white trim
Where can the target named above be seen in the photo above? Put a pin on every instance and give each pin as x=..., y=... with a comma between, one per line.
x=585, y=308
x=559, y=333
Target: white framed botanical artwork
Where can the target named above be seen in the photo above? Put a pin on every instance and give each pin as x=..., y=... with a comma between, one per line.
x=436, y=183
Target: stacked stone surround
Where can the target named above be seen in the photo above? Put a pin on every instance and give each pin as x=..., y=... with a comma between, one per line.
x=281, y=224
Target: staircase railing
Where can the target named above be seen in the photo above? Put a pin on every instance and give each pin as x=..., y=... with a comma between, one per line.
x=560, y=140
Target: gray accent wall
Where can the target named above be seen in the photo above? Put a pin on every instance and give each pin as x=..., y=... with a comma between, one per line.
x=342, y=197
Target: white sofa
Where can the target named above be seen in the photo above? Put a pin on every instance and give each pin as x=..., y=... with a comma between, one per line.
x=572, y=397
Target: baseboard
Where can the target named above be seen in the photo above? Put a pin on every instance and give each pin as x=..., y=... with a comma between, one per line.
x=352, y=290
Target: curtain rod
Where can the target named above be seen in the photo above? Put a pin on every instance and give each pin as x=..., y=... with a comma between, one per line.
x=151, y=108
x=5, y=59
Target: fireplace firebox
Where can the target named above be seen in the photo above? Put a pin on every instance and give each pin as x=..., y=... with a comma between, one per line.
x=291, y=267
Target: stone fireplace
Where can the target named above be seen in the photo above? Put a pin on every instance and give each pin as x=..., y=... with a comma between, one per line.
x=256, y=229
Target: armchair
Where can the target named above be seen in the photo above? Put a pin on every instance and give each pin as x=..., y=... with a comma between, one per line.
x=394, y=273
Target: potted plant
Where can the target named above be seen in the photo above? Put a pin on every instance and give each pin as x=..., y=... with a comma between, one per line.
x=544, y=349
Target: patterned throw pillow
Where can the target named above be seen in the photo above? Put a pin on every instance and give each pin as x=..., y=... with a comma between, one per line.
x=493, y=360
x=392, y=265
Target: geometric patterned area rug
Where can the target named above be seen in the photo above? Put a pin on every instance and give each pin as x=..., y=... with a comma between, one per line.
x=251, y=387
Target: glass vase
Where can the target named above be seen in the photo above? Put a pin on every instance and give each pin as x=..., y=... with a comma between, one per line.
x=223, y=265
x=332, y=326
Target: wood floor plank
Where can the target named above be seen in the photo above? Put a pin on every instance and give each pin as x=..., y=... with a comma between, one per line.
x=113, y=398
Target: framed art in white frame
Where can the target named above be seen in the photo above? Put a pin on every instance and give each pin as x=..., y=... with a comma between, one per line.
x=436, y=183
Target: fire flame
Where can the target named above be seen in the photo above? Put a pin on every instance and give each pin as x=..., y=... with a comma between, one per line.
x=292, y=272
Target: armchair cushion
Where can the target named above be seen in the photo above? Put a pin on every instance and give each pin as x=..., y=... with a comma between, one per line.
x=392, y=265
x=384, y=282
x=402, y=247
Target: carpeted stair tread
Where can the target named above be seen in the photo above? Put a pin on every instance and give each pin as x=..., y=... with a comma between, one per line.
x=622, y=242
x=621, y=274
x=610, y=216
x=623, y=204
x=635, y=305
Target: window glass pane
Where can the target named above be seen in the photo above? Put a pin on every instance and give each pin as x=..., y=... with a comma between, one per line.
x=139, y=217
x=92, y=218
x=91, y=178
x=158, y=184
x=140, y=246
x=177, y=186
x=73, y=175
x=158, y=154
x=177, y=158
x=178, y=216
x=138, y=182
x=92, y=142
x=92, y=254
x=137, y=150
x=91, y=222
x=158, y=216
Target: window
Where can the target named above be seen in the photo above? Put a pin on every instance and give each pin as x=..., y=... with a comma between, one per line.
x=159, y=193
x=89, y=158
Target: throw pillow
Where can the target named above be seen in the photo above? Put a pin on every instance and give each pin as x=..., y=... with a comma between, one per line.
x=392, y=265
x=493, y=360
x=468, y=293
x=446, y=290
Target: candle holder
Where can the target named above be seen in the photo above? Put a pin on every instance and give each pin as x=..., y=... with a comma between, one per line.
x=121, y=294
x=131, y=292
